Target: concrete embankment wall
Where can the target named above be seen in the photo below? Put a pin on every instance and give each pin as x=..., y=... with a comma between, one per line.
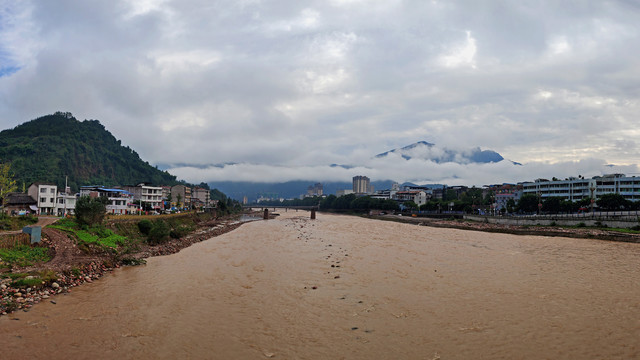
x=548, y=221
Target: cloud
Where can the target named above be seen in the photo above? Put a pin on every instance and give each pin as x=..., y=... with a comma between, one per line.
x=289, y=87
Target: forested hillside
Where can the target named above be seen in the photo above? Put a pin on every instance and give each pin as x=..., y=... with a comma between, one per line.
x=52, y=146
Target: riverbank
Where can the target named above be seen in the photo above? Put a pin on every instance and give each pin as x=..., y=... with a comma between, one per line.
x=70, y=267
x=553, y=231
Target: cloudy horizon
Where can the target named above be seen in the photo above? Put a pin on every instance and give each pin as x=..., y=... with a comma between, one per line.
x=281, y=90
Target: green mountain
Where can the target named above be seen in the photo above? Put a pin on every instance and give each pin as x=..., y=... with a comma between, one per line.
x=50, y=147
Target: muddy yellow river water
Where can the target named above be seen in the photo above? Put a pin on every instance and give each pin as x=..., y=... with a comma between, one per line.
x=344, y=287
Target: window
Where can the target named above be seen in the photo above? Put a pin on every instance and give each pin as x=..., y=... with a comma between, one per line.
x=53, y=191
x=51, y=201
x=43, y=190
x=43, y=200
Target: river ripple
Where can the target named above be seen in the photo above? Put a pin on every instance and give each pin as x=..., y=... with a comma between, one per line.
x=344, y=287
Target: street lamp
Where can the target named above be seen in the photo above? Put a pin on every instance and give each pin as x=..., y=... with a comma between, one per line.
x=592, y=188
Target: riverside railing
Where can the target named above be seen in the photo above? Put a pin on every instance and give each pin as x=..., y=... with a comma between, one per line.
x=596, y=215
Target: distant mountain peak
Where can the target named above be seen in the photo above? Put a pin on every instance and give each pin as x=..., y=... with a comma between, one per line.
x=427, y=151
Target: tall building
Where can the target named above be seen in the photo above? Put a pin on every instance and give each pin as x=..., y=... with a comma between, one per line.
x=315, y=190
x=201, y=196
x=361, y=185
x=181, y=196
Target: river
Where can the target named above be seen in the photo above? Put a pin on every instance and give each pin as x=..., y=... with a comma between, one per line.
x=343, y=287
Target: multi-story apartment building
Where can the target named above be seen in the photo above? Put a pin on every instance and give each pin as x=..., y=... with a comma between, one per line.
x=200, y=195
x=504, y=193
x=315, y=190
x=576, y=189
x=65, y=203
x=151, y=195
x=45, y=196
x=419, y=197
x=361, y=185
x=166, y=195
x=181, y=196
x=119, y=201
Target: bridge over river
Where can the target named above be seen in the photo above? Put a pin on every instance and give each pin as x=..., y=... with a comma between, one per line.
x=281, y=207
x=265, y=209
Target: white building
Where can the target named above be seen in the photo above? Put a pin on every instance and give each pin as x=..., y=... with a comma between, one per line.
x=576, y=189
x=65, y=204
x=418, y=197
x=45, y=196
x=343, y=192
x=151, y=195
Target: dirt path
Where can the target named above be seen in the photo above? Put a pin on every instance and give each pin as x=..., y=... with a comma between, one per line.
x=67, y=255
x=42, y=222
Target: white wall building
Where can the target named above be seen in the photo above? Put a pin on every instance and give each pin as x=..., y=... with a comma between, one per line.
x=147, y=194
x=45, y=195
x=418, y=197
x=576, y=189
x=65, y=204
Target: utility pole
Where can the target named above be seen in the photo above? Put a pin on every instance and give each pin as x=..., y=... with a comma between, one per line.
x=64, y=198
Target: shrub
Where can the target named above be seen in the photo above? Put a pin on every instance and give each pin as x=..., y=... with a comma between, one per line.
x=159, y=233
x=180, y=231
x=145, y=226
x=581, y=224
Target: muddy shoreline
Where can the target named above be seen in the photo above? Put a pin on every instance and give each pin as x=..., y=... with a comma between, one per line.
x=579, y=233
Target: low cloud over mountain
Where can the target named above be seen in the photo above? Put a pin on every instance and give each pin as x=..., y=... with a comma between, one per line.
x=420, y=163
x=427, y=151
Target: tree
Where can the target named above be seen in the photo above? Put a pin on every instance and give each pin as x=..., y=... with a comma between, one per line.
x=7, y=183
x=410, y=205
x=327, y=203
x=528, y=203
x=613, y=202
x=178, y=200
x=159, y=233
x=90, y=211
x=552, y=205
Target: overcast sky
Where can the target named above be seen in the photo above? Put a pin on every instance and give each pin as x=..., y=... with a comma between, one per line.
x=283, y=89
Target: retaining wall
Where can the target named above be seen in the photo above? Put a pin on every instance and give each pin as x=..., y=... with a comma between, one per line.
x=503, y=220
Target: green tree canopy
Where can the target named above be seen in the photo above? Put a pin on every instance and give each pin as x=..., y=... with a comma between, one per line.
x=7, y=183
x=90, y=211
x=613, y=202
x=528, y=203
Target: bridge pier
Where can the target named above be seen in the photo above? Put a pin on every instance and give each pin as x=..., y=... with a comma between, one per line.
x=313, y=214
x=266, y=214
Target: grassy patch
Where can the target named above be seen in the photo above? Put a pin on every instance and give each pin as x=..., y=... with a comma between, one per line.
x=37, y=279
x=23, y=255
x=625, y=230
x=16, y=222
x=96, y=235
